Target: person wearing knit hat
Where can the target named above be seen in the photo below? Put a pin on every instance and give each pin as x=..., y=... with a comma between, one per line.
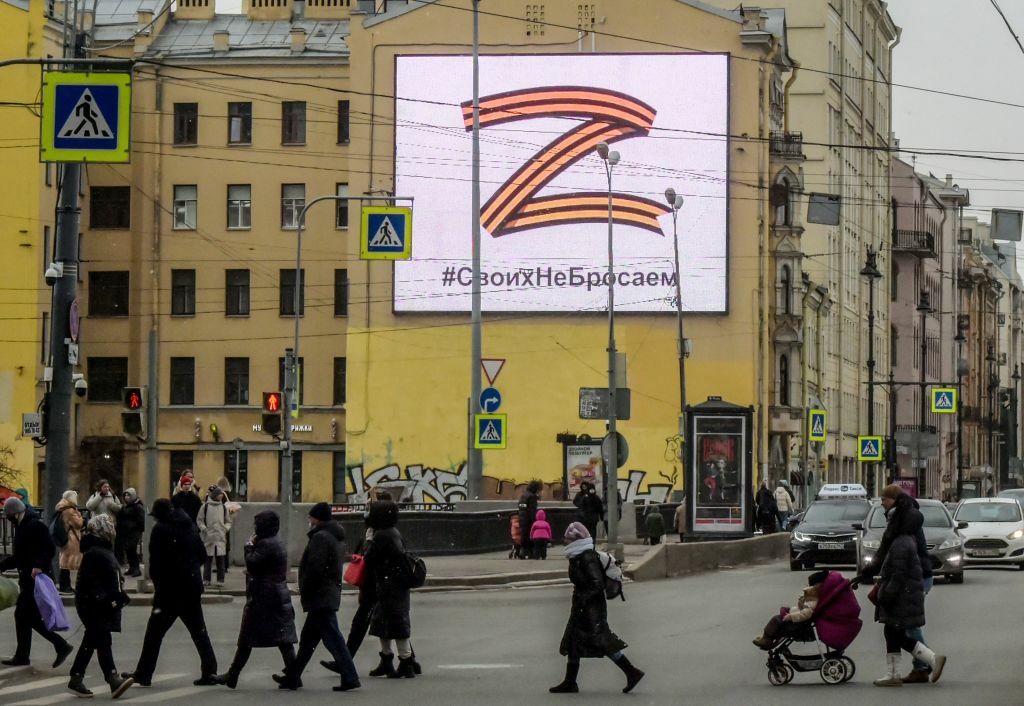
x=13, y=507
x=103, y=527
x=131, y=523
x=70, y=552
x=321, y=512
x=586, y=632
x=214, y=522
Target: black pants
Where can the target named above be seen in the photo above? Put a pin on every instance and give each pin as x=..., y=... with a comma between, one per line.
x=777, y=628
x=896, y=639
x=656, y=539
x=190, y=611
x=127, y=548
x=244, y=649
x=96, y=640
x=221, y=566
x=540, y=549
x=27, y=619
x=322, y=626
x=360, y=624
x=64, y=581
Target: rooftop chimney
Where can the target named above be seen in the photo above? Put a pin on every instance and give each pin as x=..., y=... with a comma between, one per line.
x=298, y=37
x=949, y=180
x=221, y=40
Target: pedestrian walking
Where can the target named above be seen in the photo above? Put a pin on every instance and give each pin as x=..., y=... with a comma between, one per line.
x=320, y=595
x=679, y=519
x=99, y=598
x=32, y=555
x=367, y=592
x=70, y=520
x=214, y=523
x=784, y=503
x=590, y=507
x=104, y=501
x=176, y=555
x=540, y=535
x=587, y=633
x=268, y=619
x=654, y=523
x=767, y=510
x=899, y=596
x=527, y=513
x=131, y=523
x=186, y=495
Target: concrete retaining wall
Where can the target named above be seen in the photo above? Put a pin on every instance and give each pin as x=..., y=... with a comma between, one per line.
x=667, y=560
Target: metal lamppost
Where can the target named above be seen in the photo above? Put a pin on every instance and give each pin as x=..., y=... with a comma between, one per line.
x=1012, y=444
x=676, y=202
x=961, y=370
x=993, y=384
x=871, y=272
x=924, y=308
x=610, y=159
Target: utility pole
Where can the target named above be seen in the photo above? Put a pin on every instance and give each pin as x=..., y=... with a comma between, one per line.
x=871, y=272
x=924, y=308
x=287, y=459
x=475, y=455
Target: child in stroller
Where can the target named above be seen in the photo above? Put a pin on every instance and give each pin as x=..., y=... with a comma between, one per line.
x=517, y=539
x=828, y=615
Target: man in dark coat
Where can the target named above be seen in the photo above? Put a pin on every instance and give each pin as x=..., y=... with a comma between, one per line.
x=590, y=506
x=268, y=619
x=527, y=514
x=131, y=523
x=99, y=597
x=186, y=496
x=320, y=595
x=586, y=632
x=386, y=567
x=33, y=555
x=176, y=555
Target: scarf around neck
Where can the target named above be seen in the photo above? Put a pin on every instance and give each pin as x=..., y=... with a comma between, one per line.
x=577, y=547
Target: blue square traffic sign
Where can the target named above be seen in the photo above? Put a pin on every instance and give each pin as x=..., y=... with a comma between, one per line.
x=386, y=233
x=85, y=117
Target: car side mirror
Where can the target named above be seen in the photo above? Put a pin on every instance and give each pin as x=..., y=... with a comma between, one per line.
x=962, y=525
x=858, y=526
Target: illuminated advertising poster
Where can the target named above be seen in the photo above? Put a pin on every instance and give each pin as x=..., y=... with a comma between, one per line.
x=719, y=457
x=544, y=189
x=583, y=465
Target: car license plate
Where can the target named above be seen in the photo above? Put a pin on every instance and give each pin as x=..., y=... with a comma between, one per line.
x=830, y=545
x=986, y=552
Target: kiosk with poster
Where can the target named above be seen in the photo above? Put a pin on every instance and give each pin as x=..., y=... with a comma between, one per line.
x=583, y=464
x=718, y=435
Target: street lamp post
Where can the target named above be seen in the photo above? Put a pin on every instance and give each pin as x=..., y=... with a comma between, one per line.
x=676, y=202
x=871, y=272
x=961, y=370
x=610, y=159
x=924, y=308
x=993, y=384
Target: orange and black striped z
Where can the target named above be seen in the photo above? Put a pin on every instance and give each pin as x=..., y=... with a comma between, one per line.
x=613, y=116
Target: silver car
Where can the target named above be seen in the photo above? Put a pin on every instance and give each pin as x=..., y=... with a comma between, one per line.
x=945, y=544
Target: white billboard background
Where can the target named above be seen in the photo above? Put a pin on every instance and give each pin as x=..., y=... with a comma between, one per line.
x=433, y=165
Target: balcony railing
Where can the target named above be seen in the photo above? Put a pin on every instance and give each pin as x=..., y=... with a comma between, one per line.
x=919, y=242
x=786, y=144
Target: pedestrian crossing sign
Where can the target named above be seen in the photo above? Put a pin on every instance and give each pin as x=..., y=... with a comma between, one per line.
x=491, y=431
x=944, y=400
x=869, y=448
x=386, y=233
x=86, y=117
x=816, y=430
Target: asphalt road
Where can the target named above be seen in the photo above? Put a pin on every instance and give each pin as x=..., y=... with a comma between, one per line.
x=691, y=635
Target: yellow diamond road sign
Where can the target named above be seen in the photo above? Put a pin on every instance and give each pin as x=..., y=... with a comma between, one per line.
x=944, y=400
x=386, y=233
x=86, y=117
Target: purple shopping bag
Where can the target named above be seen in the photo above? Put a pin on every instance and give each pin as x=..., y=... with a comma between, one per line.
x=51, y=607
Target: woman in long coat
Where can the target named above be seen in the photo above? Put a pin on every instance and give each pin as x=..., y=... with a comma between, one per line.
x=268, y=618
x=70, y=553
x=385, y=566
x=587, y=633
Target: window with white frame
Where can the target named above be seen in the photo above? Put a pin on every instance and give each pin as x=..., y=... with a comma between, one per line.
x=185, y=206
x=239, y=206
x=293, y=199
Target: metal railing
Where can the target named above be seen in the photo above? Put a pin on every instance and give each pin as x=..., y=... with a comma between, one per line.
x=919, y=241
x=786, y=144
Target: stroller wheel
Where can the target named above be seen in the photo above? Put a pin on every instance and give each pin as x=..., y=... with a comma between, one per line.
x=780, y=674
x=851, y=667
x=833, y=671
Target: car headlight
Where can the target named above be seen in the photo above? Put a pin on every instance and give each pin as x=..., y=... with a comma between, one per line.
x=870, y=543
x=801, y=537
x=1017, y=534
x=950, y=543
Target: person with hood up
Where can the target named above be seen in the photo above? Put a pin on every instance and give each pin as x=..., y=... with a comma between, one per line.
x=70, y=553
x=214, y=523
x=590, y=507
x=23, y=494
x=527, y=512
x=104, y=501
x=176, y=555
x=654, y=522
x=131, y=523
x=785, y=503
x=268, y=619
x=320, y=596
x=586, y=632
x=32, y=555
x=767, y=510
x=386, y=566
x=186, y=495
x=99, y=598
x=540, y=535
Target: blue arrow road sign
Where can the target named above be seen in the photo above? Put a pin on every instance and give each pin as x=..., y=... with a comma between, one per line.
x=490, y=400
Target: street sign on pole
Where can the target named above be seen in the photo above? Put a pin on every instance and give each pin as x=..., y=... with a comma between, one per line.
x=31, y=425
x=594, y=403
x=491, y=431
x=490, y=400
x=816, y=427
x=869, y=448
x=492, y=368
x=944, y=400
x=86, y=117
x=386, y=233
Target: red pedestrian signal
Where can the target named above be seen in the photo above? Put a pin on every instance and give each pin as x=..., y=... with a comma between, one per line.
x=133, y=412
x=272, y=402
x=133, y=398
x=273, y=406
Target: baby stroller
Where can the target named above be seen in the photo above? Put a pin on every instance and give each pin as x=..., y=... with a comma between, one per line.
x=517, y=539
x=833, y=627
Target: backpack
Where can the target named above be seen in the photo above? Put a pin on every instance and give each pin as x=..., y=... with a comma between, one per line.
x=612, y=576
x=58, y=532
x=415, y=570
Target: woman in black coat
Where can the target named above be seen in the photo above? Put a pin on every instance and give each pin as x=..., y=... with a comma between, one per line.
x=268, y=619
x=99, y=597
x=386, y=567
x=590, y=507
x=767, y=509
x=587, y=633
x=527, y=514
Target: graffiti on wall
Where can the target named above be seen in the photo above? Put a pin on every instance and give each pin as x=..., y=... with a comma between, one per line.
x=656, y=492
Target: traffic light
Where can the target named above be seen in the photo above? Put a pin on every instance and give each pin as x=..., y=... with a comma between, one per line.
x=133, y=412
x=273, y=408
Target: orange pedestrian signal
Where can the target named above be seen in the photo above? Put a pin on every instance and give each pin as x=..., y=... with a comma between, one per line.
x=272, y=402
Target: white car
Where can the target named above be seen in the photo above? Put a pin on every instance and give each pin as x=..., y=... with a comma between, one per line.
x=994, y=531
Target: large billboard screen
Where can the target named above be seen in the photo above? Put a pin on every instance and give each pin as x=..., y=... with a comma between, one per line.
x=544, y=188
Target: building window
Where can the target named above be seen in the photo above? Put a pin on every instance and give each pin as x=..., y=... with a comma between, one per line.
x=341, y=292
x=784, y=381
x=338, y=476
x=341, y=207
x=186, y=123
x=781, y=198
x=107, y=378
x=288, y=293
x=108, y=294
x=236, y=381
x=236, y=292
x=185, y=206
x=293, y=198
x=183, y=292
x=296, y=474
x=894, y=280
x=293, y=122
x=236, y=470
x=787, y=289
x=110, y=207
x=181, y=461
x=239, y=206
x=340, y=372
x=302, y=377
x=343, y=122
x=183, y=380
x=239, y=123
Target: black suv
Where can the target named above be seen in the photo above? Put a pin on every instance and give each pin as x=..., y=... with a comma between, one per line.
x=825, y=534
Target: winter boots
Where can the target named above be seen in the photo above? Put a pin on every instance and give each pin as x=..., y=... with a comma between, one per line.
x=77, y=687
x=406, y=669
x=936, y=662
x=916, y=677
x=118, y=684
x=386, y=666
x=568, y=685
x=892, y=678
x=228, y=678
x=633, y=675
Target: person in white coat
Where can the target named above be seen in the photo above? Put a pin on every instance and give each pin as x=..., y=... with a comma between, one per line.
x=784, y=499
x=104, y=501
x=214, y=522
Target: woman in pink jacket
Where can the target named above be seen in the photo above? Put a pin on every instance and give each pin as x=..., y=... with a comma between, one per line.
x=540, y=535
